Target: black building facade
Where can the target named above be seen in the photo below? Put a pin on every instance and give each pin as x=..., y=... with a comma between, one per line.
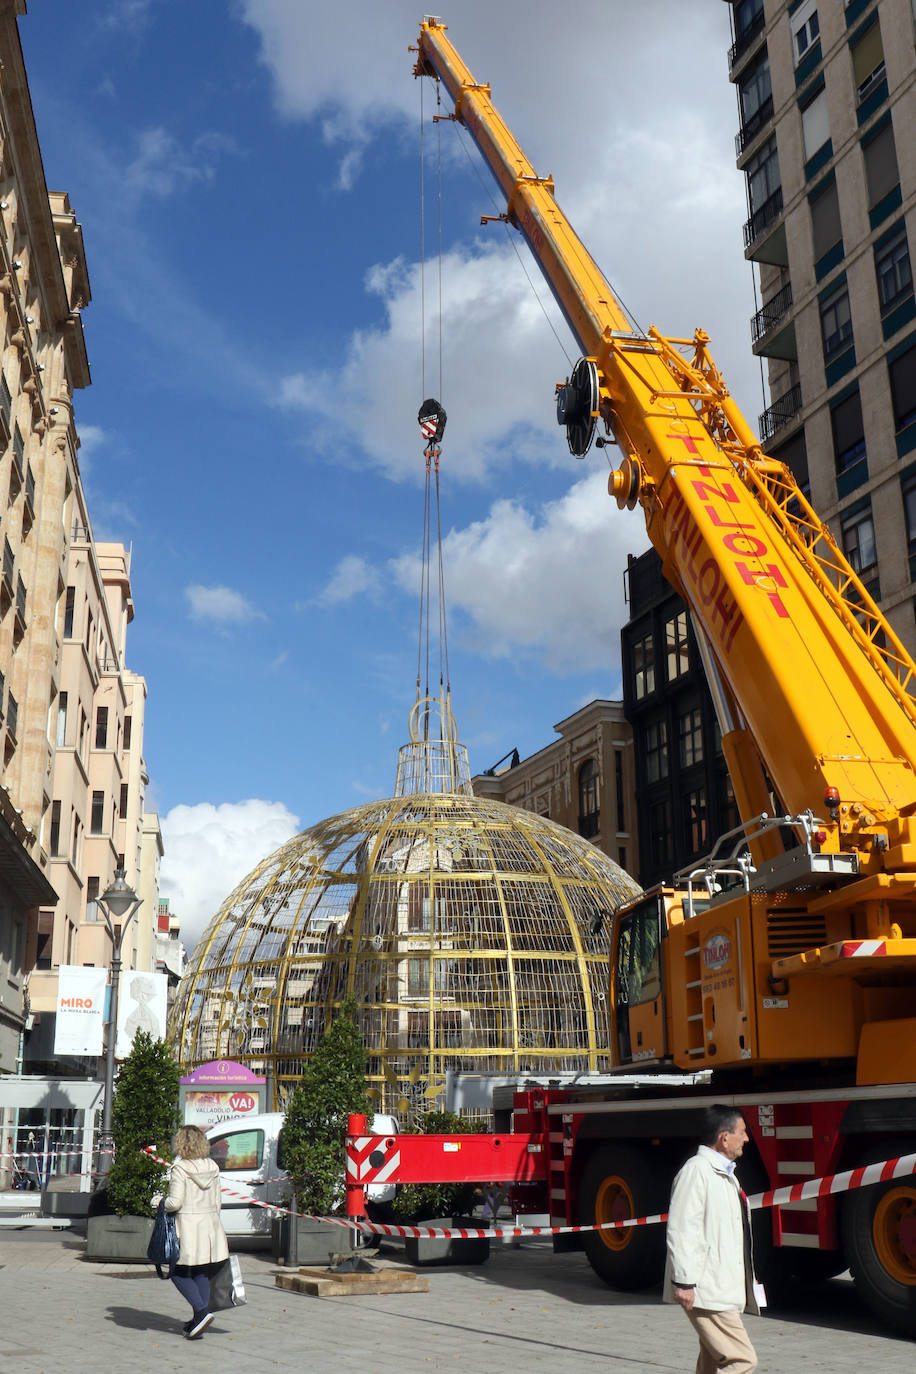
x=684, y=797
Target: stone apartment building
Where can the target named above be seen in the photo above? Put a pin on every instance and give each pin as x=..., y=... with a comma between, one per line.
x=72, y=774
x=826, y=109
x=584, y=780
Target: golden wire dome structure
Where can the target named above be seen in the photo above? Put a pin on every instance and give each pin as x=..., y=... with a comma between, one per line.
x=472, y=936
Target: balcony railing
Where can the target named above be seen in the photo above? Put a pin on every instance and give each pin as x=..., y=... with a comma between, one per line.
x=780, y=413
x=745, y=39
x=760, y=219
x=769, y=315
x=751, y=127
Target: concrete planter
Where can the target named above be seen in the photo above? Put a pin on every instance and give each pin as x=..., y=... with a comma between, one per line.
x=420, y=1250
x=118, y=1238
x=314, y=1241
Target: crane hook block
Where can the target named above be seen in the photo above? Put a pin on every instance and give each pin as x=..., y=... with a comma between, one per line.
x=431, y=418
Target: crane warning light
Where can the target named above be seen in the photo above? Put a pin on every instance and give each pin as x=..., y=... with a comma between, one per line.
x=431, y=418
x=831, y=797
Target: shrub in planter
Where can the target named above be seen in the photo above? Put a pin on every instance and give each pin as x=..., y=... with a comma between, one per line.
x=144, y=1112
x=312, y=1140
x=421, y=1201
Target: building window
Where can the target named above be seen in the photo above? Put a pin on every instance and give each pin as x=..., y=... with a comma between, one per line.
x=660, y=833
x=805, y=30
x=695, y=820
x=755, y=96
x=55, y=829
x=98, y=813
x=92, y=892
x=815, y=124
x=122, y=804
x=61, y=738
x=892, y=268
x=858, y=530
x=690, y=737
x=881, y=173
x=762, y=174
x=656, y=751
x=69, y=609
x=89, y=633
x=621, y=858
x=101, y=728
x=127, y=725
x=588, y=799
x=728, y=807
x=868, y=61
x=75, y=841
x=836, y=321
x=902, y=373
x=643, y=667
x=848, y=432
x=84, y=724
x=794, y=453
x=908, y=491
x=826, y=229
x=678, y=658
x=618, y=780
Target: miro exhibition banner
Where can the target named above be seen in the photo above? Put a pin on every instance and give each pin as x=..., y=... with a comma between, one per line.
x=141, y=1007
x=81, y=995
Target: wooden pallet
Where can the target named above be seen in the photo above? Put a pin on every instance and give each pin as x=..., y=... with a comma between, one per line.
x=324, y=1283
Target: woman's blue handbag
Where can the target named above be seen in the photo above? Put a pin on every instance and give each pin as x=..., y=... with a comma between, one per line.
x=163, y=1245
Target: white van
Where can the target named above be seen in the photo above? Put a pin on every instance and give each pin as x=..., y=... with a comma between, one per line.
x=248, y=1156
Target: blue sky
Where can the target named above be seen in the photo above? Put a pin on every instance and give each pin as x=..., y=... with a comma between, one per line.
x=246, y=174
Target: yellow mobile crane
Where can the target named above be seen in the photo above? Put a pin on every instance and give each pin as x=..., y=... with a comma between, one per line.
x=785, y=963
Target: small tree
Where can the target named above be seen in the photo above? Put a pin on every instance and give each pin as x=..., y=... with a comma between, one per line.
x=144, y=1112
x=426, y=1201
x=312, y=1140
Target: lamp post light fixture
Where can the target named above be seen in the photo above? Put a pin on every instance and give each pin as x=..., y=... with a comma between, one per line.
x=118, y=904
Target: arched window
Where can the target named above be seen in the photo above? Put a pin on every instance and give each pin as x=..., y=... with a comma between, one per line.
x=588, y=799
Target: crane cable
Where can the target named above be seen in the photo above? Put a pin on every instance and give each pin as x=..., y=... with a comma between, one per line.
x=432, y=452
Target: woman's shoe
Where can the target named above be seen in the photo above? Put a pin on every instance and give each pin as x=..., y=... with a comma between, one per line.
x=199, y=1324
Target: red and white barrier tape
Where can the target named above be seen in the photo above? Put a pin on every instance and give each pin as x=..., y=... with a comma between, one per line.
x=863, y=1177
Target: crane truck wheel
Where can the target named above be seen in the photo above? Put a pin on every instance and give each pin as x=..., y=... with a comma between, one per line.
x=878, y=1226
x=619, y=1183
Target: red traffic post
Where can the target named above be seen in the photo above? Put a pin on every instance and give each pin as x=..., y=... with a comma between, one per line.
x=357, y=1126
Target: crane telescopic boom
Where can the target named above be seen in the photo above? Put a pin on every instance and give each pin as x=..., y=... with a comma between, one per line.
x=814, y=689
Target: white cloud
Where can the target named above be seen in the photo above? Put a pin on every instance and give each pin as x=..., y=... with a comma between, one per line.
x=221, y=605
x=161, y=166
x=352, y=577
x=209, y=849
x=501, y=363
x=643, y=167
x=547, y=583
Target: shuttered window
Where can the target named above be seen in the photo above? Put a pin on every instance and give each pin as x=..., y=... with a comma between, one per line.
x=825, y=221
x=881, y=174
x=868, y=59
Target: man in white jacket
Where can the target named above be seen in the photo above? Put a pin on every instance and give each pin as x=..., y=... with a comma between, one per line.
x=710, y=1270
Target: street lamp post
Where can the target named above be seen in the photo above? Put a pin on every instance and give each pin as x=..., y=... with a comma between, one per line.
x=119, y=904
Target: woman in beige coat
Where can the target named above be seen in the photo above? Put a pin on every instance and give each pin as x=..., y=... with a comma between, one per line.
x=194, y=1194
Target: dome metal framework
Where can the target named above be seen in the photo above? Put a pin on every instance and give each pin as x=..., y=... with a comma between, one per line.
x=467, y=931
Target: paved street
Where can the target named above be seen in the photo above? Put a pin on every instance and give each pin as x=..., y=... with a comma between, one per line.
x=524, y=1310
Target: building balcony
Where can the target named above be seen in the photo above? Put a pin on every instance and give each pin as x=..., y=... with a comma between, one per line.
x=773, y=328
x=752, y=127
x=780, y=413
x=746, y=38
x=763, y=217
x=12, y=717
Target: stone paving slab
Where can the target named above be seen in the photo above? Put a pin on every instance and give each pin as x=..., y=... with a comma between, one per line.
x=525, y=1310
